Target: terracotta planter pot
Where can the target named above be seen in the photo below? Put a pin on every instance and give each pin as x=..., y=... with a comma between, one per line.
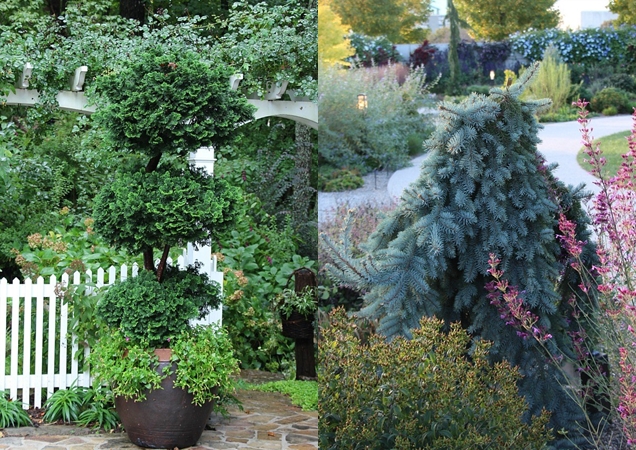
x=297, y=326
x=166, y=419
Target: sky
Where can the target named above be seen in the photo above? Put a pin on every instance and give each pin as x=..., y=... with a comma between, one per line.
x=570, y=9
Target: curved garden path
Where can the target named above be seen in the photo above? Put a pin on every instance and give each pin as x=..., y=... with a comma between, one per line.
x=560, y=143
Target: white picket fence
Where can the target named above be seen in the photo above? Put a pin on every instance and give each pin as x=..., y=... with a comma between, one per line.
x=36, y=326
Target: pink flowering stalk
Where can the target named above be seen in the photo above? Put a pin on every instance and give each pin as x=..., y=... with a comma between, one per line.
x=510, y=305
x=613, y=215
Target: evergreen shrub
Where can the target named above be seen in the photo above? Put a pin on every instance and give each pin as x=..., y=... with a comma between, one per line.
x=611, y=96
x=425, y=392
x=144, y=309
x=483, y=189
x=341, y=180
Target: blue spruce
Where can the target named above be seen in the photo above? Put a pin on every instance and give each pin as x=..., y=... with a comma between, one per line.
x=483, y=189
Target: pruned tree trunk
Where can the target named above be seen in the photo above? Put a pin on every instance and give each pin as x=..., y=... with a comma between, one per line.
x=304, y=195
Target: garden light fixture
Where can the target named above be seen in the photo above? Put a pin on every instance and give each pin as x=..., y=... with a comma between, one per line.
x=362, y=102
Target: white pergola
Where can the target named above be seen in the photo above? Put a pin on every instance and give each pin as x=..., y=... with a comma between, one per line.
x=298, y=109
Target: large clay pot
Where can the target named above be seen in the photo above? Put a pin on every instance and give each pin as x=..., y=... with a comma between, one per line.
x=166, y=419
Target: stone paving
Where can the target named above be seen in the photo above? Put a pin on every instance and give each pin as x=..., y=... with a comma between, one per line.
x=268, y=422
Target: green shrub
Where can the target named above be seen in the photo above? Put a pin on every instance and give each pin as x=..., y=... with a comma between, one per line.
x=373, y=50
x=563, y=114
x=478, y=89
x=610, y=111
x=375, y=137
x=420, y=393
x=257, y=257
x=611, y=97
x=552, y=81
x=342, y=180
x=415, y=144
x=623, y=81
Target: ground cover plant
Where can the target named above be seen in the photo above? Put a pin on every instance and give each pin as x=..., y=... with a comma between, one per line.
x=12, y=414
x=483, y=189
x=302, y=393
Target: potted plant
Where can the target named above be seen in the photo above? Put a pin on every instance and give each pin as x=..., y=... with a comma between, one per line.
x=165, y=372
x=297, y=311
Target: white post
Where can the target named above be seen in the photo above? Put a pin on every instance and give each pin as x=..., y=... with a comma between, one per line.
x=204, y=158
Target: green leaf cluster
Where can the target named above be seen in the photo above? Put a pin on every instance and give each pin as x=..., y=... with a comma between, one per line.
x=428, y=392
x=202, y=354
x=12, y=414
x=272, y=44
x=164, y=208
x=83, y=406
x=129, y=368
x=304, y=303
x=166, y=102
x=205, y=362
x=145, y=310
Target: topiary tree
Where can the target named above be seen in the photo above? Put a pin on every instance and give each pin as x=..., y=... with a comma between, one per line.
x=159, y=109
x=483, y=190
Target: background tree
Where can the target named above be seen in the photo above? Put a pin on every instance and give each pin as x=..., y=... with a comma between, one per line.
x=626, y=10
x=483, y=190
x=333, y=46
x=496, y=20
x=453, y=57
x=396, y=19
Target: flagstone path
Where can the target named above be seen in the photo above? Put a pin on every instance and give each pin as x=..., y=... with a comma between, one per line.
x=268, y=422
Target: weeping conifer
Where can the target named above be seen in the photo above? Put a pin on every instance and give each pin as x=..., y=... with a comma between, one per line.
x=483, y=189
